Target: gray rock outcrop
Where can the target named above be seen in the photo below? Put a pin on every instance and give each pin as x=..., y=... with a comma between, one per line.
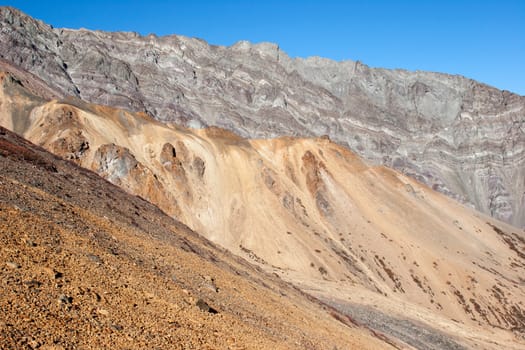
x=460, y=137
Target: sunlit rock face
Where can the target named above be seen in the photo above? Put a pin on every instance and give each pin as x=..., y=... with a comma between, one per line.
x=458, y=136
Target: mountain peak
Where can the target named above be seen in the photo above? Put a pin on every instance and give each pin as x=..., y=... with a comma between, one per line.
x=15, y=17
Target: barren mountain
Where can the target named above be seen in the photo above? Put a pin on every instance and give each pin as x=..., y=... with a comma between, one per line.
x=85, y=265
x=458, y=136
x=378, y=246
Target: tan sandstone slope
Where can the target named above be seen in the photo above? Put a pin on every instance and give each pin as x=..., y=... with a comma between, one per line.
x=84, y=265
x=370, y=241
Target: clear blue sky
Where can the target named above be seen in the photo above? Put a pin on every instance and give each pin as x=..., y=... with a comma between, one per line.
x=483, y=40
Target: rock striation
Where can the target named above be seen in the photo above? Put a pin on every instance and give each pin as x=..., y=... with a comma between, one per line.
x=460, y=137
x=375, y=244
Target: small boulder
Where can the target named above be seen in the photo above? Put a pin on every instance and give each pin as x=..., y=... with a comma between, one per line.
x=201, y=304
x=12, y=265
x=65, y=299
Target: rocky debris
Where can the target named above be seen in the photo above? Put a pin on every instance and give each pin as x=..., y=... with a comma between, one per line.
x=71, y=146
x=208, y=283
x=65, y=299
x=103, y=312
x=32, y=283
x=115, y=161
x=29, y=242
x=120, y=166
x=95, y=258
x=53, y=273
x=460, y=137
x=202, y=305
x=412, y=333
x=199, y=167
x=13, y=265
x=168, y=154
x=323, y=199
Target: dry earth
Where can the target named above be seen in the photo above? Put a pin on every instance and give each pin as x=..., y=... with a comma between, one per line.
x=84, y=265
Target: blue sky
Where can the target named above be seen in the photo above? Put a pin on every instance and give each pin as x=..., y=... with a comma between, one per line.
x=483, y=40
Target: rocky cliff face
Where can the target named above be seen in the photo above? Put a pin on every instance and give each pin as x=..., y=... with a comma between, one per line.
x=460, y=137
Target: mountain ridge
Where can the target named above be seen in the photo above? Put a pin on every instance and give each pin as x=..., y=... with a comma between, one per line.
x=461, y=137
x=263, y=43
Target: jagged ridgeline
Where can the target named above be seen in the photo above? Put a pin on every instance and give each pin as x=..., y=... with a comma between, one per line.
x=460, y=137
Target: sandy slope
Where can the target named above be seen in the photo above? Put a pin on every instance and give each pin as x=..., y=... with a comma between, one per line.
x=85, y=265
x=308, y=210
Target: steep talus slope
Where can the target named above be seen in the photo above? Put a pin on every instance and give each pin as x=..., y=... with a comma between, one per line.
x=85, y=265
x=462, y=138
x=308, y=210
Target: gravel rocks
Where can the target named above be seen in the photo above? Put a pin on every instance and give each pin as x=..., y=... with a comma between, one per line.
x=13, y=265
x=414, y=333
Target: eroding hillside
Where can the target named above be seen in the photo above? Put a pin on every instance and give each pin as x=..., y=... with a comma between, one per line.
x=359, y=237
x=85, y=265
